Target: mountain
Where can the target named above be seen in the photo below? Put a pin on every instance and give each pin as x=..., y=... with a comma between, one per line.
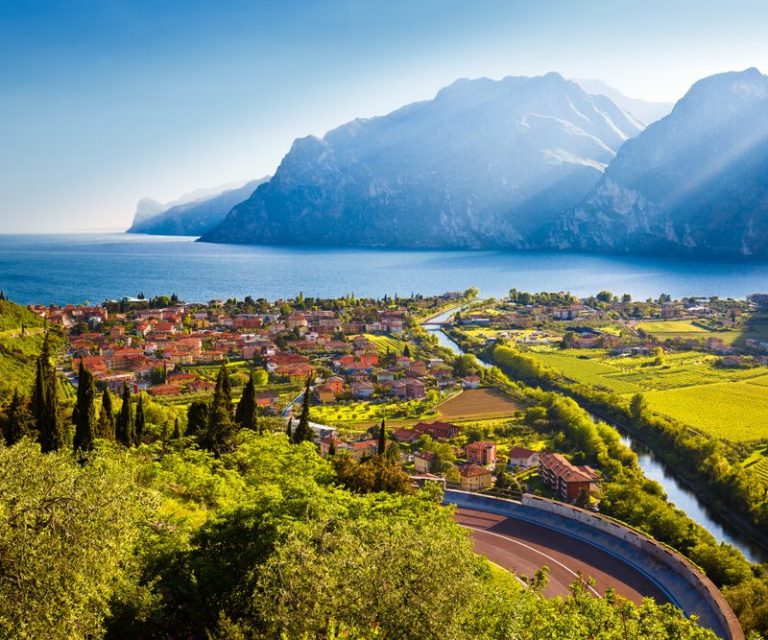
x=645, y=112
x=189, y=217
x=483, y=164
x=694, y=182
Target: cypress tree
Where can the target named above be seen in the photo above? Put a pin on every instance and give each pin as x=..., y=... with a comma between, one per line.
x=15, y=425
x=219, y=435
x=289, y=429
x=332, y=447
x=139, y=421
x=197, y=417
x=124, y=426
x=45, y=404
x=245, y=415
x=303, y=431
x=382, y=445
x=106, y=423
x=176, y=429
x=84, y=415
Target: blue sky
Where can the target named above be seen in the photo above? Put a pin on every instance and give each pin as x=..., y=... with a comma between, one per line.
x=103, y=102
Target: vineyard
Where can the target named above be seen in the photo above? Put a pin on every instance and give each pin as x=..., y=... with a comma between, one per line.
x=728, y=403
x=735, y=411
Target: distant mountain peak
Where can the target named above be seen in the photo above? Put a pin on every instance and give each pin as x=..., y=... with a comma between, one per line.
x=485, y=162
x=644, y=111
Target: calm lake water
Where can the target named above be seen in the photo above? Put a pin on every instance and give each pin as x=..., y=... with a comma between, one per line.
x=94, y=267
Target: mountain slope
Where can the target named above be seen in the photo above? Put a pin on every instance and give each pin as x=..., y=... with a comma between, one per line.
x=694, y=182
x=646, y=112
x=484, y=164
x=191, y=218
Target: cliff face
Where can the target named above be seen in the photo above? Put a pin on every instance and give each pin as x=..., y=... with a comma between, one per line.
x=189, y=218
x=483, y=164
x=694, y=182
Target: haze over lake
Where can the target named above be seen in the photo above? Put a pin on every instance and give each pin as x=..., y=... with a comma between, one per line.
x=58, y=269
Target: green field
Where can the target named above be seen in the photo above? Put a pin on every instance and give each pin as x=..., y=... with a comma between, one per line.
x=736, y=411
x=364, y=412
x=728, y=403
x=755, y=327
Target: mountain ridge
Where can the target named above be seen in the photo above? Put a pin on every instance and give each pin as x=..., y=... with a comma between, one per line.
x=483, y=163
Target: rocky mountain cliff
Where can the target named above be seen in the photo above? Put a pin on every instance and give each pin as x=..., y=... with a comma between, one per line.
x=694, y=182
x=484, y=164
x=189, y=218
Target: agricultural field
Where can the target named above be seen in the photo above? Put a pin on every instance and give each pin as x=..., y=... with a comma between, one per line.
x=386, y=344
x=736, y=411
x=755, y=327
x=477, y=404
x=370, y=412
x=758, y=463
x=625, y=375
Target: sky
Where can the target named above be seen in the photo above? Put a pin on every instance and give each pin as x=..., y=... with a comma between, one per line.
x=103, y=102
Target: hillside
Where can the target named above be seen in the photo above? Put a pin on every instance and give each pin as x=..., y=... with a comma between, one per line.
x=17, y=352
x=695, y=182
x=484, y=164
x=189, y=217
x=646, y=112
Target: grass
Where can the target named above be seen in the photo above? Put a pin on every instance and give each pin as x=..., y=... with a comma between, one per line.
x=735, y=411
x=477, y=404
x=386, y=344
x=585, y=368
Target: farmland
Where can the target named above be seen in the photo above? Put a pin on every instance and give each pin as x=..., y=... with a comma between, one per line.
x=735, y=411
x=685, y=386
x=477, y=404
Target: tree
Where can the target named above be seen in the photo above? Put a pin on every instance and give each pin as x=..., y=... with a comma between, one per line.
x=304, y=432
x=176, y=429
x=16, y=420
x=218, y=436
x=245, y=414
x=407, y=351
x=382, y=445
x=197, y=417
x=45, y=402
x=140, y=421
x=125, y=430
x=289, y=429
x=604, y=296
x=106, y=422
x=84, y=415
x=637, y=407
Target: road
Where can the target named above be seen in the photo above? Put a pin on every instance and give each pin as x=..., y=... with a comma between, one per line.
x=523, y=547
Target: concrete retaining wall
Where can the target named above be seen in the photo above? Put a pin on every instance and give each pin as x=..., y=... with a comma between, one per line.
x=530, y=505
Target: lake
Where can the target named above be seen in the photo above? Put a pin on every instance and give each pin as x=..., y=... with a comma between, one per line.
x=94, y=267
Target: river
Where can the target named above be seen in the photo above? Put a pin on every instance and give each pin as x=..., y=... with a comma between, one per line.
x=677, y=493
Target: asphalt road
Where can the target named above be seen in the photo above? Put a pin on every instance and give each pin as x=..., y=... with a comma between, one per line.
x=523, y=547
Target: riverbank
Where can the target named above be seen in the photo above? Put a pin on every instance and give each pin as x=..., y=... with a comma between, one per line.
x=723, y=525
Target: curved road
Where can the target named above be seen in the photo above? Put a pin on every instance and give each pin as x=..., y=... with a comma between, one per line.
x=523, y=547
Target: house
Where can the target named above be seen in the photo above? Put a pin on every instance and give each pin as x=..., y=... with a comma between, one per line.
x=437, y=430
x=165, y=390
x=471, y=382
x=481, y=453
x=521, y=457
x=475, y=478
x=324, y=393
x=408, y=389
x=360, y=449
x=422, y=461
x=362, y=390
x=405, y=435
x=564, y=478
x=335, y=384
